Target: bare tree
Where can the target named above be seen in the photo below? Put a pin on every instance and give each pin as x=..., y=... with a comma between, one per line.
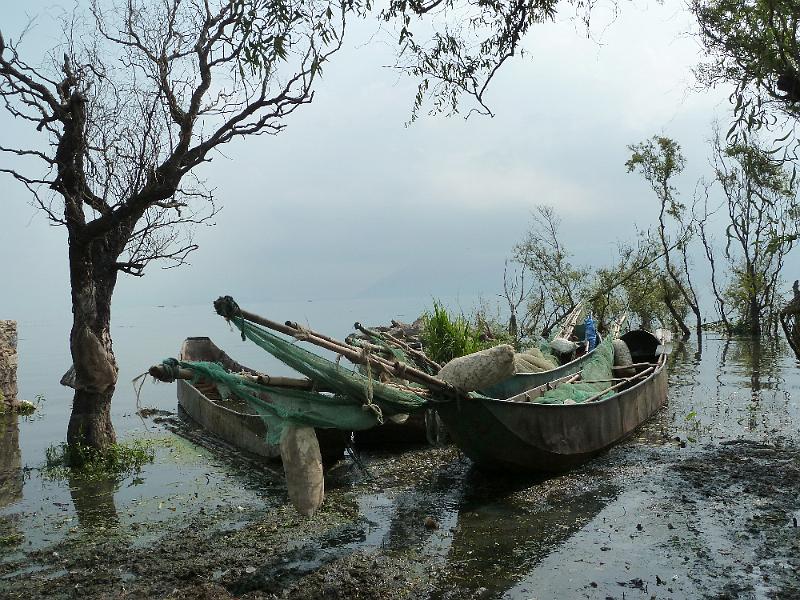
x=708, y=247
x=761, y=204
x=131, y=106
x=557, y=281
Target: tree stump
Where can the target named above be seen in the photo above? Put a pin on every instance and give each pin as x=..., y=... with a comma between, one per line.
x=8, y=362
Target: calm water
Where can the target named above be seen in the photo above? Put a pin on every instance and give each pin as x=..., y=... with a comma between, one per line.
x=500, y=539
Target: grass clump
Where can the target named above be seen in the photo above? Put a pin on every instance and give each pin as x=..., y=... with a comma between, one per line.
x=25, y=408
x=445, y=336
x=12, y=539
x=116, y=461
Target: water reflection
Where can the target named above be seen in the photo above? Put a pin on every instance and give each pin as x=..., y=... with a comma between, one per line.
x=10, y=476
x=94, y=502
x=10, y=461
x=504, y=527
x=741, y=388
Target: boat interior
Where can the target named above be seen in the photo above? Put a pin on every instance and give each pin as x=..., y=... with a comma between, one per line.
x=646, y=355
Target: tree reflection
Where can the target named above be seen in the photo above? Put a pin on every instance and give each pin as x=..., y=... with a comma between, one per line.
x=499, y=536
x=94, y=501
x=10, y=461
x=10, y=472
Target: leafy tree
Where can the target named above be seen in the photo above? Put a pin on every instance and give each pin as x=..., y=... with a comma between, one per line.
x=762, y=208
x=753, y=45
x=131, y=104
x=659, y=160
x=558, y=282
x=634, y=285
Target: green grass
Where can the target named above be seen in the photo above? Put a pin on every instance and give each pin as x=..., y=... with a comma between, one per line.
x=445, y=336
x=118, y=461
x=12, y=539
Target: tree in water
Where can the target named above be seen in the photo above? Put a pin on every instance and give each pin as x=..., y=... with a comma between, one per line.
x=134, y=102
x=760, y=199
x=659, y=160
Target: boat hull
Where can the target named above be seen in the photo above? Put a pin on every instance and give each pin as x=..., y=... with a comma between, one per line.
x=549, y=438
x=241, y=427
x=244, y=431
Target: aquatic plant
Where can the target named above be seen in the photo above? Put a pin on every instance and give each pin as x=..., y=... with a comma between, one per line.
x=445, y=336
x=117, y=461
x=12, y=539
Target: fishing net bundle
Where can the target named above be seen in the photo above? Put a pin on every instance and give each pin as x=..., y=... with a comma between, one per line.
x=598, y=368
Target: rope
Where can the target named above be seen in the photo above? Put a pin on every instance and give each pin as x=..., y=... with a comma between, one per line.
x=370, y=405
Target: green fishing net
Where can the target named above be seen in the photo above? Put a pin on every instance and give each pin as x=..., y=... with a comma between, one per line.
x=598, y=368
x=279, y=406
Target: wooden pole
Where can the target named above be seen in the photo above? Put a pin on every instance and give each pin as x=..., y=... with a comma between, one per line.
x=421, y=356
x=396, y=369
x=621, y=383
x=163, y=373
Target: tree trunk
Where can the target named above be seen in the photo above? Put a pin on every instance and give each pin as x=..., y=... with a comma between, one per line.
x=94, y=365
x=755, y=317
x=686, y=332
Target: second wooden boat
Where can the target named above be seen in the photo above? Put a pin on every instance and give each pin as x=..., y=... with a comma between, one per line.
x=519, y=435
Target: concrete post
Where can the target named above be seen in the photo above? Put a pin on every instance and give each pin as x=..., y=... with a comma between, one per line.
x=8, y=361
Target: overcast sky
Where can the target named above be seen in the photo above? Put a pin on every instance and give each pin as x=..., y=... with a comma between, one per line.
x=348, y=202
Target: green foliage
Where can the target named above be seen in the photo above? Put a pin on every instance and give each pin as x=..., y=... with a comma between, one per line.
x=491, y=328
x=12, y=539
x=25, y=408
x=752, y=45
x=659, y=160
x=117, y=461
x=445, y=336
x=761, y=204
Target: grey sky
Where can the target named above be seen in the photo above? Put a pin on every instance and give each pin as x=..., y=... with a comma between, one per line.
x=348, y=202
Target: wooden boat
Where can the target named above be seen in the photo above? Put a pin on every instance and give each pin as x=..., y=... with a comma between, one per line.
x=525, y=381
x=232, y=419
x=518, y=435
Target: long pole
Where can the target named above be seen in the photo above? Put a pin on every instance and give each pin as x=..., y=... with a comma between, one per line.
x=394, y=368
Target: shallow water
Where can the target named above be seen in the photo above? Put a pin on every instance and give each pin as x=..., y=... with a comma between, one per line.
x=692, y=506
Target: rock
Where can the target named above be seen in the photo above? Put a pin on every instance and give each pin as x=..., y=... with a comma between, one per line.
x=431, y=523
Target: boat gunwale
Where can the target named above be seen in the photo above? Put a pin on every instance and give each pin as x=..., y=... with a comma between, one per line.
x=660, y=365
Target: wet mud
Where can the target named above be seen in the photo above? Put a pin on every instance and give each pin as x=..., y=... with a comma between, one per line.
x=702, y=502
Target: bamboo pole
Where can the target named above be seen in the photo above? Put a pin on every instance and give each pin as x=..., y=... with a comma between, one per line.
x=570, y=321
x=618, y=326
x=162, y=373
x=421, y=356
x=396, y=368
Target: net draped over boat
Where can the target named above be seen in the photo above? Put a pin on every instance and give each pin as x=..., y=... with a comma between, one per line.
x=280, y=406
x=598, y=368
x=358, y=402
